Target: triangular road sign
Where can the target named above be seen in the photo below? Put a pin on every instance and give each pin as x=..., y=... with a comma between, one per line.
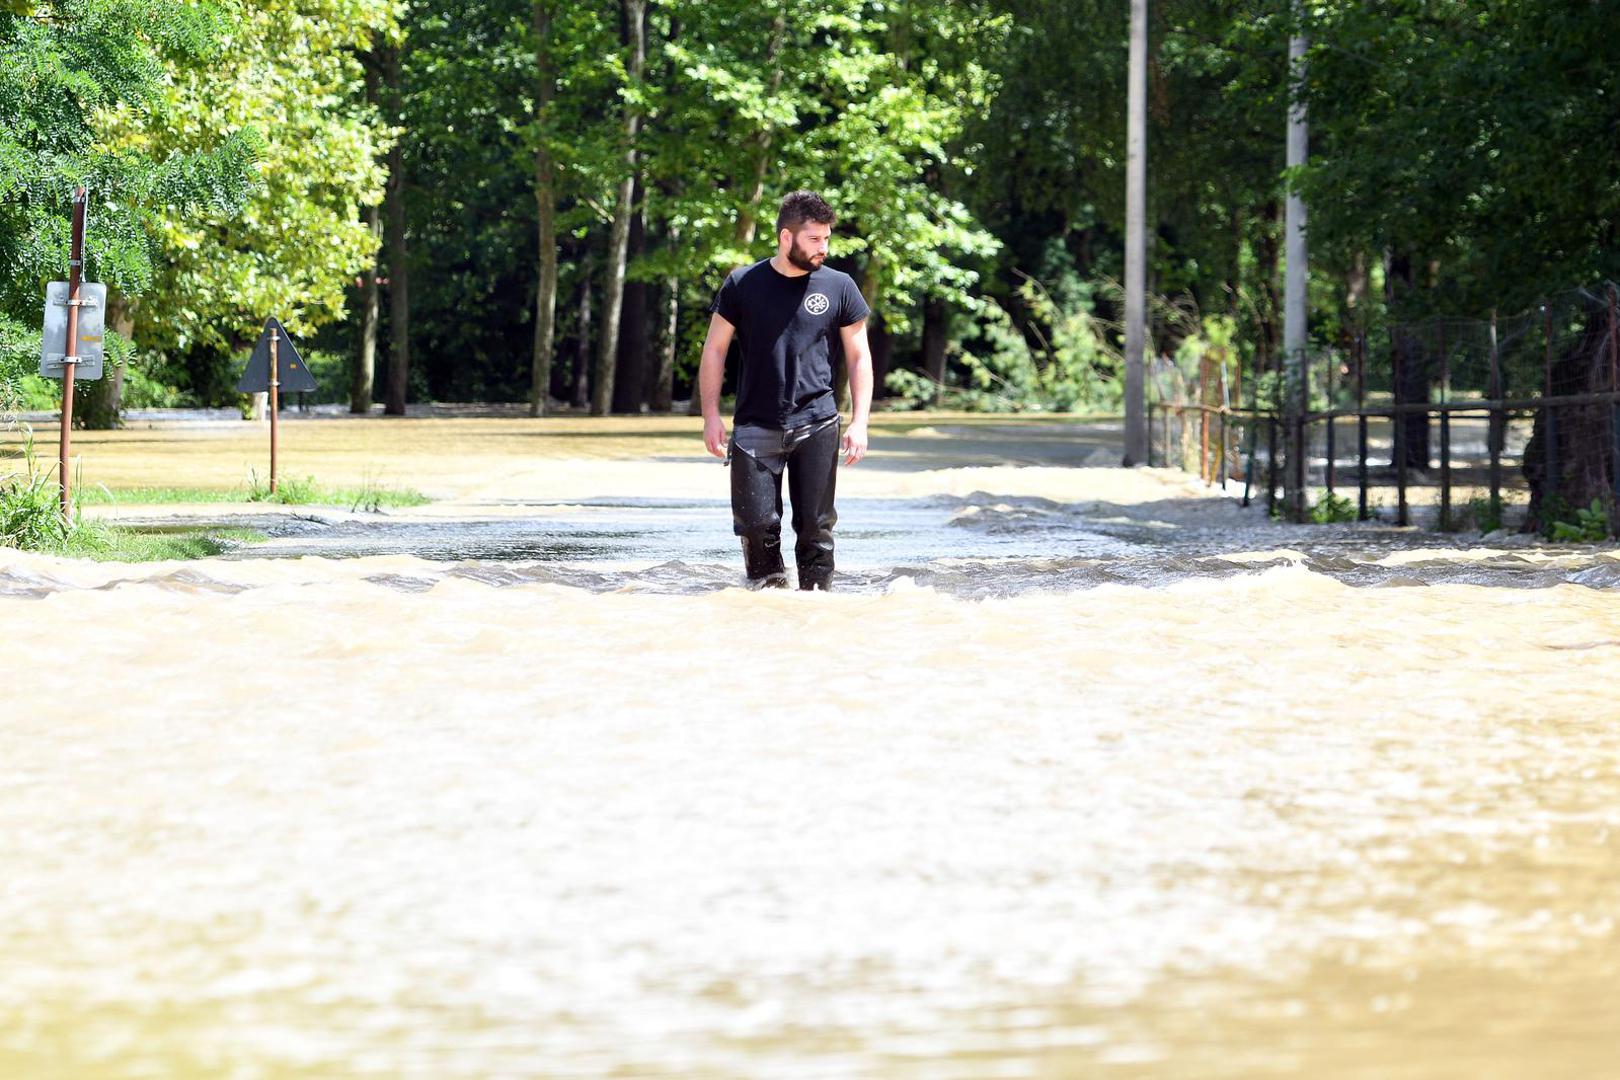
x=292, y=374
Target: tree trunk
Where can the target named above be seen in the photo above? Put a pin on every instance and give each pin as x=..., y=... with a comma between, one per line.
x=933, y=343
x=661, y=394
x=630, y=384
x=747, y=220
x=1270, y=266
x=635, y=25
x=1579, y=467
x=545, y=196
x=100, y=408
x=365, y=364
x=1411, y=368
x=882, y=346
x=582, y=353
x=399, y=292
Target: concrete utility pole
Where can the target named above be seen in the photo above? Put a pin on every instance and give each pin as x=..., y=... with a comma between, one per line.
x=1136, y=431
x=1294, y=306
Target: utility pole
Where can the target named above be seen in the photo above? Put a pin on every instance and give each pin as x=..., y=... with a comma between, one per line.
x=1136, y=432
x=1298, y=393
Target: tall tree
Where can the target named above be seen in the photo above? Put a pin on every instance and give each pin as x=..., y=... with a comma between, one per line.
x=399, y=261
x=634, y=15
x=545, y=197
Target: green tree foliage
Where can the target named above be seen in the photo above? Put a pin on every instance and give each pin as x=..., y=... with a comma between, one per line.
x=1477, y=136
x=67, y=70
x=1463, y=157
x=293, y=71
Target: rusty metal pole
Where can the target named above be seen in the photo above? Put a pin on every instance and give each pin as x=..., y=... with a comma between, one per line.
x=71, y=357
x=275, y=409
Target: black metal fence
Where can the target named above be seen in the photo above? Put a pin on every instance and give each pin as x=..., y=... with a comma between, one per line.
x=1463, y=423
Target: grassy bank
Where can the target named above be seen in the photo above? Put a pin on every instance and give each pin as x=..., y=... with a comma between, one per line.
x=293, y=491
x=111, y=543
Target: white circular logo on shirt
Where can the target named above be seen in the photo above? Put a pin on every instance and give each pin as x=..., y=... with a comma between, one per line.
x=816, y=303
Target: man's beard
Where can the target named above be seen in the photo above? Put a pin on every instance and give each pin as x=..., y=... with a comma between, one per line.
x=802, y=260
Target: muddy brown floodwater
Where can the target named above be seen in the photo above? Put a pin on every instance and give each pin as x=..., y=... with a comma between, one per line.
x=1085, y=772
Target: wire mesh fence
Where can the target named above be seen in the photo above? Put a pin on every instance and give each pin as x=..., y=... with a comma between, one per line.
x=1461, y=424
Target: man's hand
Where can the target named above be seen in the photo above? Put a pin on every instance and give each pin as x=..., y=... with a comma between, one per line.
x=854, y=443
x=714, y=435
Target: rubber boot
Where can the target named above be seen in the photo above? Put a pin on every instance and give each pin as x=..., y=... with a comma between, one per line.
x=762, y=561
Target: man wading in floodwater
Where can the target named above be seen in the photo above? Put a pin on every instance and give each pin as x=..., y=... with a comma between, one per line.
x=790, y=315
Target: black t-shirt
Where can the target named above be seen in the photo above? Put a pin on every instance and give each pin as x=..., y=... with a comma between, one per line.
x=787, y=334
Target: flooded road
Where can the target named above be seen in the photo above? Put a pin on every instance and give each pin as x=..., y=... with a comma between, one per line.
x=1084, y=773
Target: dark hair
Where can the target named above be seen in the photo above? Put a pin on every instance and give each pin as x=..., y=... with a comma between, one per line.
x=802, y=206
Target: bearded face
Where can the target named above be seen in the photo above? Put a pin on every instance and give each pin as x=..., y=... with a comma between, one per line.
x=808, y=250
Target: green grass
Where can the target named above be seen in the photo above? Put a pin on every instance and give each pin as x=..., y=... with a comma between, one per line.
x=96, y=495
x=110, y=543
x=1333, y=509
x=304, y=491
x=292, y=491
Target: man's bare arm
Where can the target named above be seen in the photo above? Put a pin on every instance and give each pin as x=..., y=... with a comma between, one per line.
x=711, y=376
x=858, y=355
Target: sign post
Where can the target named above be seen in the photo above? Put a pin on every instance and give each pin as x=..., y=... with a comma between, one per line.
x=275, y=364
x=275, y=405
x=71, y=345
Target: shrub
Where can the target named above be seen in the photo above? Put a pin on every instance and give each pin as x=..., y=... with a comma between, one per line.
x=1333, y=509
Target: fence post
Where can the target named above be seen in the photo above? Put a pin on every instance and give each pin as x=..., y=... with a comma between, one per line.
x=1271, y=467
x=1225, y=468
x=1614, y=406
x=1445, y=434
x=1332, y=421
x=1551, y=456
x=1396, y=418
x=1167, y=436
x=1361, y=421
x=1150, y=434
x=1496, y=433
x=1253, y=430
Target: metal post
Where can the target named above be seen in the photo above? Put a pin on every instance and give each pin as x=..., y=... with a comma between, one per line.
x=1398, y=419
x=1445, y=434
x=1167, y=411
x=71, y=359
x=1551, y=455
x=1497, y=432
x=1271, y=468
x=1361, y=422
x=1150, y=438
x=275, y=403
x=1204, y=471
x=1248, y=472
x=1329, y=367
x=1614, y=408
x=1226, y=410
